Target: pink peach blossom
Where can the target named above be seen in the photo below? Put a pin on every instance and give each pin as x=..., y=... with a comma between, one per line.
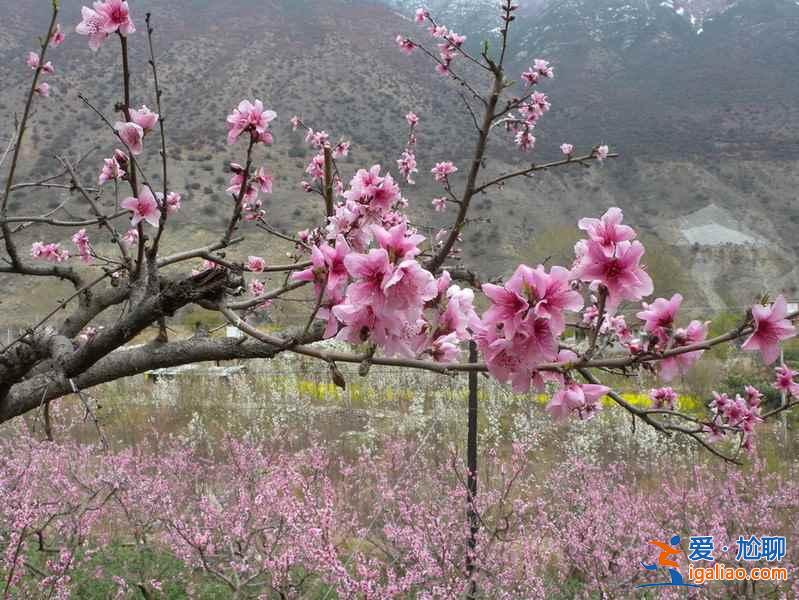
x=50, y=252
x=608, y=229
x=81, y=240
x=370, y=272
x=659, y=316
x=144, y=118
x=144, y=208
x=680, y=364
x=328, y=267
x=263, y=180
x=92, y=25
x=406, y=45
x=407, y=165
x=132, y=135
x=400, y=243
x=770, y=328
x=116, y=16
x=620, y=272
x=131, y=237
x=256, y=264
x=369, y=188
x=663, y=398
x=582, y=399
x=785, y=380
x=57, y=38
x=525, y=141
x=250, y=116
x=445, y=348
x=443, y=170
x=173, y=202
x=33, y=63
x=112, y=171
x=408, y=288
x=342, y=149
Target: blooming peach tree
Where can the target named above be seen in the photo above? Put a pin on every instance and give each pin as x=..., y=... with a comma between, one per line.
x=376, y=283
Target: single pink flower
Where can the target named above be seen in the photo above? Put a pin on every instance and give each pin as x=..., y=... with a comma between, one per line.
x=342, y=149
x=445, y=348
x=112, y=171
x=458, y=314
x=440, y=204
x=328, y=267
x=132, y=135
x=530, y=77
x=753, y=396
x=525, y=141
x=443, y=170
x=81, y=240
x=567, y=149
x=620, y=272
x=173, y=202
x=608, y=230
x=57, y=38
x=412, y=119
x=358, y=321
x=87, y=335
x=144, y=118
x=406, y=45
x=663, y=398
x=116, y=16
x=508, y=308
x=406, y=164
x=544, y=69
x=131, y=237
x=601, y=152
x=144, y=208
x=408, y=288
x=660, y=315
x=92, y=26
x=680, y=364
x=263, y=180
x=785, y=382
x=250, y=116
x=296, y=122
x=370, y=272
x=43, y=89
x=400, y=243
x=378, y=192
x=770, y=328
x=582, y=399
x=256, y=264
x=550, y=294
x=421, y=15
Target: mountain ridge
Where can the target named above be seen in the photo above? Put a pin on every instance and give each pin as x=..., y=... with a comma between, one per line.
x=697, y=119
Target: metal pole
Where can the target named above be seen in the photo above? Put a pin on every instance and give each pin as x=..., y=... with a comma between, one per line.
x=471, y=460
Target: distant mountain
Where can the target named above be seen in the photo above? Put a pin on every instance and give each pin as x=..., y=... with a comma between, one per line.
x=698, y=96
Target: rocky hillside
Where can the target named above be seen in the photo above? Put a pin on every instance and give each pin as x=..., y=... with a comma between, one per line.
x=698, y=96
